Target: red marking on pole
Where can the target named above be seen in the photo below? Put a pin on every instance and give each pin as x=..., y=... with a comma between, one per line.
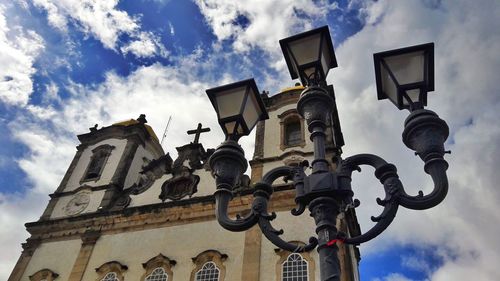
x=332, y=242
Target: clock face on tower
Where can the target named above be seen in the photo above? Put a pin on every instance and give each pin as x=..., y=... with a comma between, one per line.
x=77, y=204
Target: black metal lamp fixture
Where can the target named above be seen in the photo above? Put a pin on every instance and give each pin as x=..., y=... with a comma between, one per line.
x=238, y=106
x=309, y=55
x=405, y=75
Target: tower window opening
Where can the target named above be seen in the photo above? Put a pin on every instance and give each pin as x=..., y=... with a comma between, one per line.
x=293, y=133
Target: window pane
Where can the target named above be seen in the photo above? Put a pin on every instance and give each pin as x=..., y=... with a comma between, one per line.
x=209, y=272
x=408, y=68
x=158, y=274
x=293, y=133
x=294, y=269
x=111, y=276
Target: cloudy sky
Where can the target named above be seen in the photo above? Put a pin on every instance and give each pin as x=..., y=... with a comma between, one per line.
x=69, y=64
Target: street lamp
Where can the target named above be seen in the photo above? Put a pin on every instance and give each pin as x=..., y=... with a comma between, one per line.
x=405, y=75
x=326, y=192
x=238, y=106
x=309, y=55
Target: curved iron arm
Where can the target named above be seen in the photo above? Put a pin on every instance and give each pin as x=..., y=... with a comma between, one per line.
x=387, y=175
x=437, y=170
x=265, y=219
x=222, y=198
x=426, y=133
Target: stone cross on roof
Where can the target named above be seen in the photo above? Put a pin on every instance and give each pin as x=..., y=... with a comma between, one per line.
x=197, y=132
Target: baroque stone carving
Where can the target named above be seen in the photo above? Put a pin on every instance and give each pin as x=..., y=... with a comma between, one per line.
x=182, y=184
x=154, y=170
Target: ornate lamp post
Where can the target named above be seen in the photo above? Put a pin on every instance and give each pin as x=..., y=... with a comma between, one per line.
x=404, y=76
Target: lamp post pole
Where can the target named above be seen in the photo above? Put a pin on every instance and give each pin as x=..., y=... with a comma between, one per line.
x=326, y=192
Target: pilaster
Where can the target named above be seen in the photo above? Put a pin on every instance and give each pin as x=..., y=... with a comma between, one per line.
x=251, y=254
x=89, y=239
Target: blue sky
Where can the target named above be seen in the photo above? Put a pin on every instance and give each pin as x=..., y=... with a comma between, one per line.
x=67, y=65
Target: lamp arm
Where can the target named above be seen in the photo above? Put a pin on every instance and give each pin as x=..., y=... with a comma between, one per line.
x=263, y=190
x=387, y=175
x=436, y=168
x=425, y=133
x=222, y=198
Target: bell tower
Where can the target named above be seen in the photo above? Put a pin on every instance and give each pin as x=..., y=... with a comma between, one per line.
x=107, y=161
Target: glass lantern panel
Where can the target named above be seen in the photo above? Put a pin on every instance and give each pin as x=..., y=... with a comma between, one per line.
x=407, y=68
x=325, y=57
x=229, y=101
x=306, y=49
x=252, y=111
x=388, y=85
x=230, y=127
x=413, y=94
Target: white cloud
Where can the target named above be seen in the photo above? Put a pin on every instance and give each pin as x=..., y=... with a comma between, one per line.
x=146, y=45
x=171, y=28
x=103, y=21
x=266, y=22
x=393, y=277
x=19, y=49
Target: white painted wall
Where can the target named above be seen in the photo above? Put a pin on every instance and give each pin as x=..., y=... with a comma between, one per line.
x=180, y=243
x=149, y=196
x=57, y=256
x=109, y=169
x=272, y=134
x=137, y=165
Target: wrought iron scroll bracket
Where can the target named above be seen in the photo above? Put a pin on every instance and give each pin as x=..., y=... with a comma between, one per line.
x=387, y=174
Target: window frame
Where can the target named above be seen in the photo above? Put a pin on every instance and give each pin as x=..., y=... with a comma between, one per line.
x=103, y=152
x=306, y=256
x=109, y=267
x=287, y=117
x=43, y=274
x=196, y=277
x=212, y=256
x=160, y=261
x=287, y=261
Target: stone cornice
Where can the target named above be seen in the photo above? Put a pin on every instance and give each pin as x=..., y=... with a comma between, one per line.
x=281, y=99
x=285, y=155
x=151, y=216
x=137, y=132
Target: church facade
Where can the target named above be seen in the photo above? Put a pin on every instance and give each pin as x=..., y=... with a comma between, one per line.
x=125, y=210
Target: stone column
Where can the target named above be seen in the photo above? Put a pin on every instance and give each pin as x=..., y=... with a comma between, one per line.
x=28, y=250
x=89, y=239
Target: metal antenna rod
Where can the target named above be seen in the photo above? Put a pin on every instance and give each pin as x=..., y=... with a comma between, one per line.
x=166, y=130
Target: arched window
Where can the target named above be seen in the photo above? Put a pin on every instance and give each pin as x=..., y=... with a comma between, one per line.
x=97, y=162
x=292, y=129
x=293, y=133
x=111, y=271
x=44, y=275
x=209, y=272
x=158, y=268
x=158, y=274
x=110, y=276
x=209, y=266
x=295, y=268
